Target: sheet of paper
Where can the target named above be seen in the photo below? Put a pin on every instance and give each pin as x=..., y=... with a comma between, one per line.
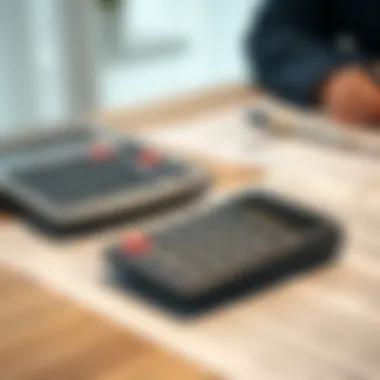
x=291, y=164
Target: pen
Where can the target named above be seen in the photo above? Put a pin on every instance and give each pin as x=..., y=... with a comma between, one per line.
x=314, y=131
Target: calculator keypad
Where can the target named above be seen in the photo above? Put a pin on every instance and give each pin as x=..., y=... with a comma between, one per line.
x=102, y=172
x=213, y=248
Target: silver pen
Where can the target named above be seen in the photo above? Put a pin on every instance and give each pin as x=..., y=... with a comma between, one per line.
x=315, y=132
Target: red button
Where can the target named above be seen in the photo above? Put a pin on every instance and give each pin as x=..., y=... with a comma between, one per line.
x=136, y=243
x=101, y=152
x=149, y=158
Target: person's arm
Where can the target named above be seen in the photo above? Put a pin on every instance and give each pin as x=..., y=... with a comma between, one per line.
x=291, y=48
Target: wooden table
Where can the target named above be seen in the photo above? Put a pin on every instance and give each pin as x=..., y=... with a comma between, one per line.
x=45, y=336
x=323, y=326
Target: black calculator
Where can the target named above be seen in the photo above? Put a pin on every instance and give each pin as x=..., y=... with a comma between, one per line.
x=101, y=181
x=242, y=244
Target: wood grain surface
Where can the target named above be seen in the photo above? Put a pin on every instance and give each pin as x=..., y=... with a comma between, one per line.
x=176, y=110
x=46, y=337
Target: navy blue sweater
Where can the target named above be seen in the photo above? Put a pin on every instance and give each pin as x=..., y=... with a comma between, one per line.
x=293, y=44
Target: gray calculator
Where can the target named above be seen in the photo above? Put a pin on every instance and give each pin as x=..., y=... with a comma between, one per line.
x=79, y=177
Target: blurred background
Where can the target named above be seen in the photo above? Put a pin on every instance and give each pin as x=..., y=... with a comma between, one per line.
x=61, y=58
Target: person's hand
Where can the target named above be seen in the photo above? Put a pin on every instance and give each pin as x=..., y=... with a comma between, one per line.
x=352, y=97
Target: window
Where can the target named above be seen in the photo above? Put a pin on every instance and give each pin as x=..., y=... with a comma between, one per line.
x=176, y=46
x=60, y=58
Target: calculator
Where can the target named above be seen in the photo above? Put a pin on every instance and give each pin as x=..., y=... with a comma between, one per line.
x=39, y=144
x=99, y=181
x=222, y=251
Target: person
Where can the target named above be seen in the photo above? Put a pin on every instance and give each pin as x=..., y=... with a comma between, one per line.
x=324, y=52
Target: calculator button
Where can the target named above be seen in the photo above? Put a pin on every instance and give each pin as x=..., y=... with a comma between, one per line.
x=136, y=243
x=149, y=158
x=101, y=152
